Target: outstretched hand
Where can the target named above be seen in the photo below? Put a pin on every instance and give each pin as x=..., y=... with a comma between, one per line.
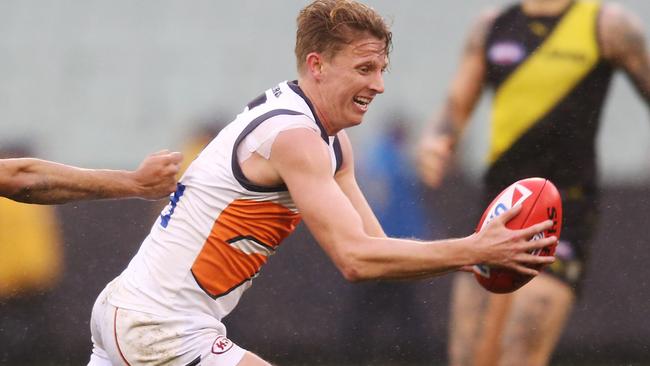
x=156, y=175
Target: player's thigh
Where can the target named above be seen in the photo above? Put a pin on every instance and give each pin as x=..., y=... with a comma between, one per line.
x=468, y=303
x=251, y=359
x=537, y=317
x=101, y=328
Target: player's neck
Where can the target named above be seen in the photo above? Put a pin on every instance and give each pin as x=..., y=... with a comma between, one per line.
x=311, y=91
x=544, y=7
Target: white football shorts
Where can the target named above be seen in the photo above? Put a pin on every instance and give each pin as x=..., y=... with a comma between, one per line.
x=127, y=337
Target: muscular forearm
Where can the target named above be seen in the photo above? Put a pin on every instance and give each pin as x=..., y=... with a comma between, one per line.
x=387, y=258
x=495, y=245
x=38, y=181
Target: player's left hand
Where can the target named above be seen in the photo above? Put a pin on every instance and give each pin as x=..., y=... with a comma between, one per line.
x=156, y=176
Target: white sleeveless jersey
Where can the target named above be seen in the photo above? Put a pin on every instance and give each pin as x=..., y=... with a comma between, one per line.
x=219, y=228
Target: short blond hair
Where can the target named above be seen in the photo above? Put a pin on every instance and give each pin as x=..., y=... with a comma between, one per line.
x=325, y=26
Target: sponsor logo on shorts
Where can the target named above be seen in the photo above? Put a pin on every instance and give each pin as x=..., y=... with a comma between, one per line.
x=221, y=345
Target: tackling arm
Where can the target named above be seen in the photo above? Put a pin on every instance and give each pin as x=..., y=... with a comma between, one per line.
x=40, y=181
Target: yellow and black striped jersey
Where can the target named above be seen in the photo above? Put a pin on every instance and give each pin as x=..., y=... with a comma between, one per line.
x=549, y=82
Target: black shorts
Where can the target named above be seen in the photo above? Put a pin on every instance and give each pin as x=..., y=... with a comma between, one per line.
x=579, y=220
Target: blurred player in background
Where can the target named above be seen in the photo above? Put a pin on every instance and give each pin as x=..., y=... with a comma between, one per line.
x=286, y=156
x=39, y=181
x=549, y=63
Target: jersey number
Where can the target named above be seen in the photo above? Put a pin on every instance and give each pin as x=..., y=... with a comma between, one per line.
x=173, y=201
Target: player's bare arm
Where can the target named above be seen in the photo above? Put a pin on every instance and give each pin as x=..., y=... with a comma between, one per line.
x=302, y=160
x=40, y=181
x=347, y=182
x=444, y=130
x=625, y=44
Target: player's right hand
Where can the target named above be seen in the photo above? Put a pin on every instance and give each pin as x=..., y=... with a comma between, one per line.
x=504, y=247
x=156, y=175
x=433, y=157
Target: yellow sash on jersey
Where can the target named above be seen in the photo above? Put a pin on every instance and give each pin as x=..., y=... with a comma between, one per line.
x=547, y=76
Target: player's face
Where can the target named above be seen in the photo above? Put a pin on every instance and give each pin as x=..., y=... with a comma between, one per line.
x=350, y=81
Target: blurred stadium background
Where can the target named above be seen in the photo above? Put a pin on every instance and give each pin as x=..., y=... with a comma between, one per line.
x=102, y=83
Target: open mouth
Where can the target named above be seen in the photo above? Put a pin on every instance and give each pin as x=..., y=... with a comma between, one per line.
x=362, y=102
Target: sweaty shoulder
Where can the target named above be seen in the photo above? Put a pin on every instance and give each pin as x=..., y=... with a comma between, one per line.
x=619, y=31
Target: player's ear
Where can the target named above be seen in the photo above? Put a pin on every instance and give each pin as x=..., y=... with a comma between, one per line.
x=314, y=64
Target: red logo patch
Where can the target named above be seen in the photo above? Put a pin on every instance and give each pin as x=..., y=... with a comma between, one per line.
x=221, y=345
